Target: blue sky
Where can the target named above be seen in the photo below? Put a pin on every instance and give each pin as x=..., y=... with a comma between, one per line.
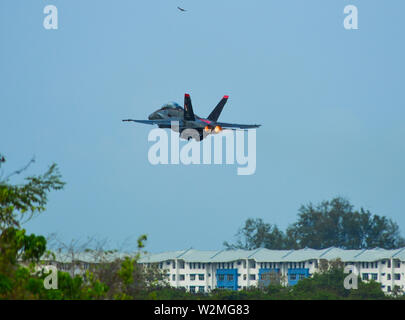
x=330, y=102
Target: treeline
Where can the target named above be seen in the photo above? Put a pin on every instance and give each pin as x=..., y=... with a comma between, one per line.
x=22, y=275
x=20, y=253
x=333, y=223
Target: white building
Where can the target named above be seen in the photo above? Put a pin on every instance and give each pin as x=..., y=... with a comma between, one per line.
x=202, y=271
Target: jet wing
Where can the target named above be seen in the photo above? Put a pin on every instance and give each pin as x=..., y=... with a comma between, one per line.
x=236, y=126
x=152, y=122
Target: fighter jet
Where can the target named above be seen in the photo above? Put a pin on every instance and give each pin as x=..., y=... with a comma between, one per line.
x=186, y=118
x=181, y=9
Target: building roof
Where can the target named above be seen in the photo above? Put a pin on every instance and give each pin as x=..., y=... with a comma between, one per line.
x=266, y=255
x=259, y=255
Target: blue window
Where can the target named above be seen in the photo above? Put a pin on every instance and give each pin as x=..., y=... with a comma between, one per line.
x=227, y=279
x=296, y=274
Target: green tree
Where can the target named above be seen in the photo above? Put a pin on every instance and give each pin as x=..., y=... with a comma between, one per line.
x=330, y=223
x=18, y=204
x=256, y=234
x=336, y=223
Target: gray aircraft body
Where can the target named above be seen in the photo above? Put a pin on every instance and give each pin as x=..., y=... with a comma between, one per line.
x=173, y=112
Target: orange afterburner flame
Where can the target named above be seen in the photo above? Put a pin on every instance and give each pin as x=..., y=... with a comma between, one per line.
x=217, y=129
x=207, y=129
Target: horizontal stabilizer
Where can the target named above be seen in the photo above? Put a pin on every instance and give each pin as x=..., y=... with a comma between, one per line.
x=236, y=125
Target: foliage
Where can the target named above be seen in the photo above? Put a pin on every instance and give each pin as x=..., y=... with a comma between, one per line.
x=335, y=223
x=330, y=223
x=125, y=278
x=256, y=233
x=19, y=203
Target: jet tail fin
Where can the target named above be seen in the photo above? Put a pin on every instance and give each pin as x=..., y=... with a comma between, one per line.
x=188, y=108
x=214, y=115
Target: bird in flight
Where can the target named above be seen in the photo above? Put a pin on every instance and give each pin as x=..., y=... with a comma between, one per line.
x=181, y=9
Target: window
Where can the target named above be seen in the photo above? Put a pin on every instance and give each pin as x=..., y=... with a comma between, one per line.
x=398, y=264
x=182, y=277
x=389, y=264
x=203, y=265
x=168, y=263
x=201, y=277
x=388, y=276
x=244, y=277
x=397, y=276
x=174, y=265
x=192, y=277
x=374, y=276
x=190, y=266
x=293, y=276
x=174, y=277
x=201, y=289
x=252, y=277
x=230, y=277
x=181, y=264
x=199, y=265
x=221, y=277
x=192, y=289
x=365, y=276
x=239, y=262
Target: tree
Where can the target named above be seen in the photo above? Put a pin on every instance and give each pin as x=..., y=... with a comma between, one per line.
x=336, y=223
x=19, y=203
x=332, y=223
x=258, y=234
